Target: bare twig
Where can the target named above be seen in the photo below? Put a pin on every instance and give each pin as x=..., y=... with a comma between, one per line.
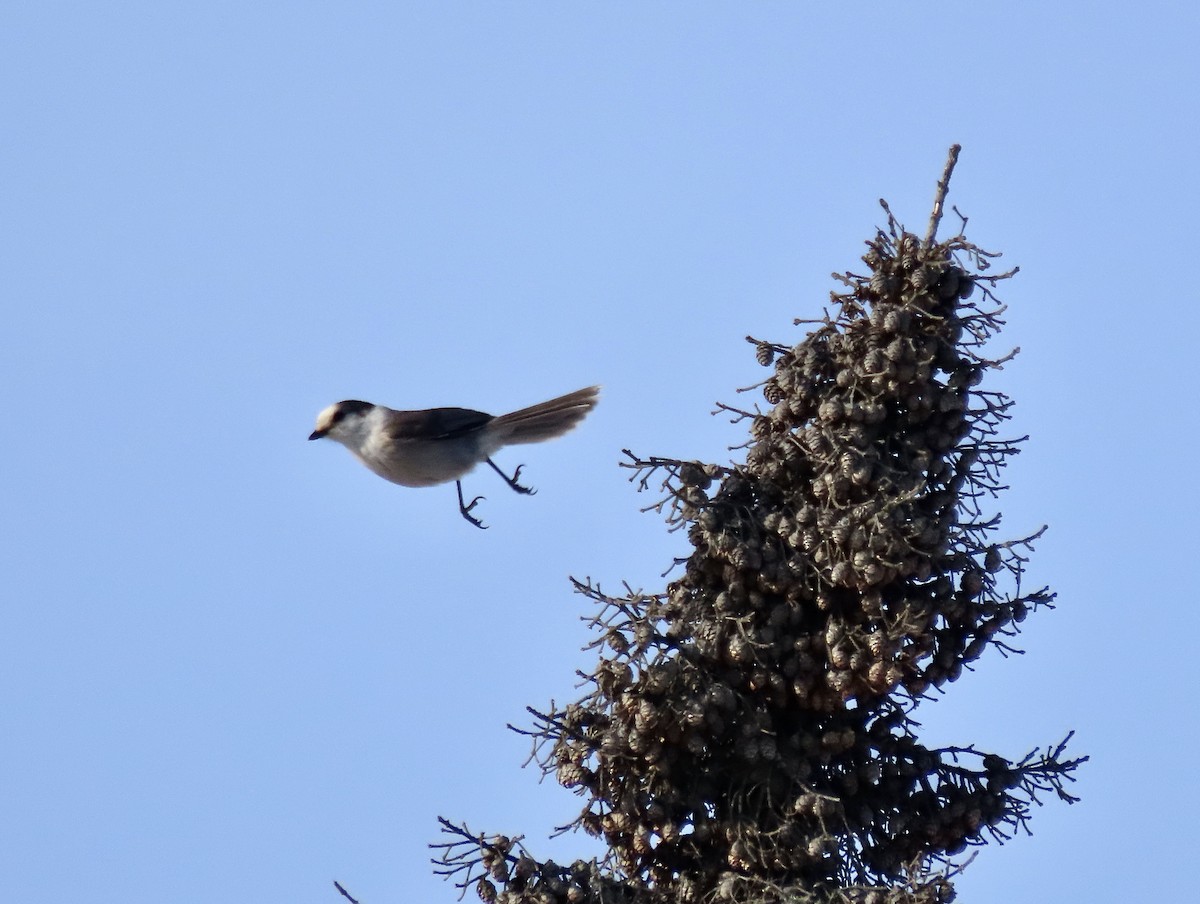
x=939, y=199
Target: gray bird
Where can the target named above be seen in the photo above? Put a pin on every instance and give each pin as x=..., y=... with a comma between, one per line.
x=437, y=445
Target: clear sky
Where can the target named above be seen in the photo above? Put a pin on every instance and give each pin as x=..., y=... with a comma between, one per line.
x=237, y=665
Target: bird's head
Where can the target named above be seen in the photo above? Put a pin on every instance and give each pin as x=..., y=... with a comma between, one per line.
x=343, y=421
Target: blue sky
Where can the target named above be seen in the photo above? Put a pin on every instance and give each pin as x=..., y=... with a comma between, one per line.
x=239, y=666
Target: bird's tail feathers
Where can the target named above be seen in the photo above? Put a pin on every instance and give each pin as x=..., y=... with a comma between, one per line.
x=545, y=420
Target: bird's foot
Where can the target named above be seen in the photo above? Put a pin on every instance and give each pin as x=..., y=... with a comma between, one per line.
x=512, y=481
x=466, y=509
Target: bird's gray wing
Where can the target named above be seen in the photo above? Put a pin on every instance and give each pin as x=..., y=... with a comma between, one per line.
x=435, y=424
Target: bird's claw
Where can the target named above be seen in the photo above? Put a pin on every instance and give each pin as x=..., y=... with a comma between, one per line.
x=473, y=520
x=512, y=481
x=528, y=491
x=466, y=509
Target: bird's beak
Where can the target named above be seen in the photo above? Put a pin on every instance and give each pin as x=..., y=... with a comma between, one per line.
x=317, y=434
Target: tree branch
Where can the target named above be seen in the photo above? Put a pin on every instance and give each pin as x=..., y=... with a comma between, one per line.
x=939, y=199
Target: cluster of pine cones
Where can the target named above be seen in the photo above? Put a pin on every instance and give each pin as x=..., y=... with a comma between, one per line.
x=748, y=734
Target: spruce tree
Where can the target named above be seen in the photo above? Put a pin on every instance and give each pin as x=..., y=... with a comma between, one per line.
x=748, y=733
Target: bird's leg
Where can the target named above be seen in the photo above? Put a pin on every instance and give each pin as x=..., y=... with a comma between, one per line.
x=512, y=481
x=466, y=509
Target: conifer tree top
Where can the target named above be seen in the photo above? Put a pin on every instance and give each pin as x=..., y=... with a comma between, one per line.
x=747, y=735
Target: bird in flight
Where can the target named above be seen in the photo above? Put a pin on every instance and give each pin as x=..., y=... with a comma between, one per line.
x=436, y=445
